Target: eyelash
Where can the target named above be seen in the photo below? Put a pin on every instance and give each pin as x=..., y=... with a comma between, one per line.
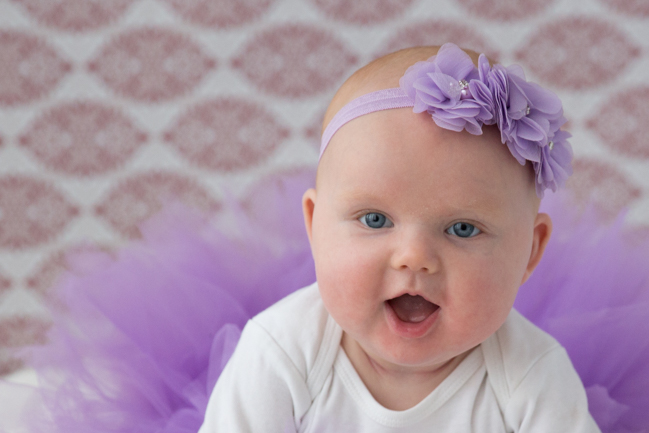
x=474, y=232
x=363, y=220
x=451, y=230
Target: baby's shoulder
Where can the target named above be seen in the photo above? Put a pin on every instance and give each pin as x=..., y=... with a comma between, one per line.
x=301, y=327
x=523, y=340
x=534, y=380
x=516, y=348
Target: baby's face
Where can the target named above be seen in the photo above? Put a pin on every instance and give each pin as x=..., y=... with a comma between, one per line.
x=404, y=207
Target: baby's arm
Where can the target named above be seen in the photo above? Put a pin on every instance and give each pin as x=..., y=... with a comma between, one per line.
x=550, y=398
x=260, y=389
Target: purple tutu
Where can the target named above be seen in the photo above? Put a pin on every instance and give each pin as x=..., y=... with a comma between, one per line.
x=591, y=292
x=140, y=336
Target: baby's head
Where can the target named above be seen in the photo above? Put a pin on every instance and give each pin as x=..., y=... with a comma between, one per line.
x=421, y=235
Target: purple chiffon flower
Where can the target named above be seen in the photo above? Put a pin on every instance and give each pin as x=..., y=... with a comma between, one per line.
x=534, y=113
x=526, y=113
x=480, y=92
x=555, y=166
x=441, y=86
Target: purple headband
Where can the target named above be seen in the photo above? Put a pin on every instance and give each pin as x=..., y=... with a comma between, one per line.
x=458, y=95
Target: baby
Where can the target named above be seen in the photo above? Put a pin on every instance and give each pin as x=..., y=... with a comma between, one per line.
x=423, y=225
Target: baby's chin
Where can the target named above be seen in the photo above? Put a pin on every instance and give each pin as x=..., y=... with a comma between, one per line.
x=406, y=360
x=410, y=356
x=442, y=344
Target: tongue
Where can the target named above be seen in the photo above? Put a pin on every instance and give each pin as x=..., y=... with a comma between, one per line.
x=412, y=309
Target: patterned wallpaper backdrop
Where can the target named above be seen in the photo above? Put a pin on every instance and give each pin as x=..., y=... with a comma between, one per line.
x=109, y=106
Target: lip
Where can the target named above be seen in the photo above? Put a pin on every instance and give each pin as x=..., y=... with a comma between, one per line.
x=413, y=293
x=409, y=330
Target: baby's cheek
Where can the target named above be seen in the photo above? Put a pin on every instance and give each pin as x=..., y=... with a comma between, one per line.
x=350, y=283
x=484, y=296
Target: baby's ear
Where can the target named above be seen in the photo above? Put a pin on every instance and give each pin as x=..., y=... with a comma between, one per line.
x=308, y=206
x=542, y=231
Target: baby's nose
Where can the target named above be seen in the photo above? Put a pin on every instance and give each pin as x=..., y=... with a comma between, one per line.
x=416, y=251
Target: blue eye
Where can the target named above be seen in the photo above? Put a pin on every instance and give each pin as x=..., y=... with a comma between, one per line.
x=463, y=230
x=375, y=220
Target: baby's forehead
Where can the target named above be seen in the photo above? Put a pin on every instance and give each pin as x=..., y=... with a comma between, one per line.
x=480, y=159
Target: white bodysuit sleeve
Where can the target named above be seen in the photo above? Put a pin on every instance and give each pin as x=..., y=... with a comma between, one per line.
x=550, y=398
x=260, y=389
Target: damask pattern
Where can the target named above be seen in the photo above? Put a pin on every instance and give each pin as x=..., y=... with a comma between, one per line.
x=602, y=184
x=438, y=32
x=110, y=109
x=31, y=68
x=569, y=53
x=82, y=138
x=506, y=10
x=151, y=64
x=631, y=7
x=226, y=134
x=363, y=12
x=75, y=15
x=625, y=129
x=138, y=197
x=220, y=13
x=32, y=212
x=294, y=61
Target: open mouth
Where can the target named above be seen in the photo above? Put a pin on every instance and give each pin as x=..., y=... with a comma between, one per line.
x=412, y=309
x=411, y=316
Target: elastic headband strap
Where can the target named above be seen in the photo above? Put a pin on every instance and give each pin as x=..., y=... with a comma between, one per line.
x=385, y=99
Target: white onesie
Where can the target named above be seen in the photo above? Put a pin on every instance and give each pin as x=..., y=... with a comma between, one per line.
x=290, y=374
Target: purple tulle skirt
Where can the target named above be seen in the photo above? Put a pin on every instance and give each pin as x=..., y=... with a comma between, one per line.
x=140, y=336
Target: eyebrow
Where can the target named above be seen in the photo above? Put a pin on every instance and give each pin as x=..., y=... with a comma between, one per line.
x=487, y=202
x=479, y=205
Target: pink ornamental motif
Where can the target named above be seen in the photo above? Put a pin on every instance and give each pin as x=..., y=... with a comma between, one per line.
x=435, y=32
x=295, y=61
x=312, y=132
x=83, y=138
x=363, y=12
x=633, y=8
x=505, y=10
x=29, y=68
x=596, y=182
x=47, y=273
x=76, y=15
x=151, y=64
x=18, y=331
x=5, y=284
x=636, y=234
x=226, y=135
x=222, y=14
x=54, y=266
x=138, y=198
x=578, y=53
x=10, y=365
x=622, y=122
x=32, y=212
